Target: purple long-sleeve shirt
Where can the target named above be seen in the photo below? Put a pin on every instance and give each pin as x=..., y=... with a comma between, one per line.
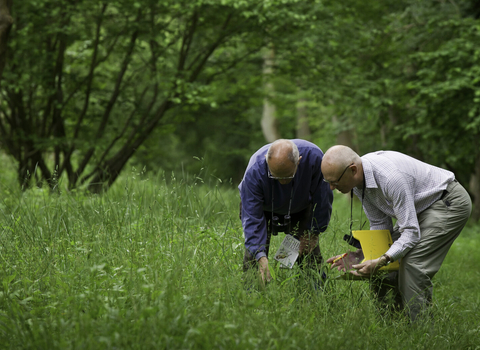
x=308, y=188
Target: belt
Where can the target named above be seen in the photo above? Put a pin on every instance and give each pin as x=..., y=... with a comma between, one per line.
x=445, y=192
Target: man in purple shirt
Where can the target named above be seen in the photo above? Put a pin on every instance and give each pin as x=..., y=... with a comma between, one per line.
x=282, y=191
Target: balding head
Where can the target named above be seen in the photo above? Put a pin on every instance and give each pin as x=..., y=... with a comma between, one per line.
x=283, y=151
x=282, y=158
x=336, y=161
x=338, y=157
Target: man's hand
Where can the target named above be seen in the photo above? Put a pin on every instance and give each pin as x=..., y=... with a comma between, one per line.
x=369, y=267
x=264, y=271
x=346, y=261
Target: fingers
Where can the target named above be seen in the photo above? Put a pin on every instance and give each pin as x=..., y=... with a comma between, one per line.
x=268, y=277
x=265, y=276
x=264, y=271
x=358, y=270
x=336, y=258
x=364, y=269
x=333, y=259
x=340, y=265
x=338, y=261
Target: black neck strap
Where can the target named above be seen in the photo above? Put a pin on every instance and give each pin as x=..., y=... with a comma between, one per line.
x=349, y=238
x=291, y=197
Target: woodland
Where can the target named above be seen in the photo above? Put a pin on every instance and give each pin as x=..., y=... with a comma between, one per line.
x=89, y=88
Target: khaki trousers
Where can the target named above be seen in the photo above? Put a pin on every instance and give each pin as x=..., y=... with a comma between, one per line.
x=440, y=225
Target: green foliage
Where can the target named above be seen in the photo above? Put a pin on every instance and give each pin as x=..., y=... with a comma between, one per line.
x=114, y=72
x=157, y=84
x=446, y=92
x=407, y=79
x=221, y=133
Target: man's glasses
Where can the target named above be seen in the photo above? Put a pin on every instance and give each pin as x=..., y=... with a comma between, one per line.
x=335, y=183
x=281, y=177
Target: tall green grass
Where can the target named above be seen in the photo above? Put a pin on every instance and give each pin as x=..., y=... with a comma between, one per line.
x=155, y=263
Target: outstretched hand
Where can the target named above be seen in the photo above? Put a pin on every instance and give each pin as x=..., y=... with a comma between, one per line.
x=263, y=269
x=369, y=267
x=346, y=262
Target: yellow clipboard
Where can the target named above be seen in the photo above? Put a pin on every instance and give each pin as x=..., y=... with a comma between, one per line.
x=374, y=244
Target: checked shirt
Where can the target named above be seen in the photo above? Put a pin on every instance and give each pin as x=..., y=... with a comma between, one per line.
x=401, y=187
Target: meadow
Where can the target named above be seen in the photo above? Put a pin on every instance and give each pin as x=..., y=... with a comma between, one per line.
x=155, y=263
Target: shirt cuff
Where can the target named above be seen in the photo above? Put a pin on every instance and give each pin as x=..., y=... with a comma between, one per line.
x=260, y=255
x=395, y=254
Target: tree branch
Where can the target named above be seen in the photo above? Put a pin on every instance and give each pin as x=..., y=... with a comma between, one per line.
x=6, y=22
x=211, y=49
x=187, y=41
x=113, y=99
x=93, y=65
x=118, y=83
x=100, y=61
x=118, y=137
x=67, y=154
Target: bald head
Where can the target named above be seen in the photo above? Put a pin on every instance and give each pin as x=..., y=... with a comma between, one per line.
x=282, y=158
x=283, y=151
x=336, y=161
x=339, y=157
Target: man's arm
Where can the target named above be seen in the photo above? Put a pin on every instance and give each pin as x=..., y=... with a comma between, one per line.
x=254, y=228
x=322, y=201
x=253, y=220
x=322, y=198
x=400, y=193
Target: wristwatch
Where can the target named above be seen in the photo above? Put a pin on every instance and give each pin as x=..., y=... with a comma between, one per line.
x=387, y=259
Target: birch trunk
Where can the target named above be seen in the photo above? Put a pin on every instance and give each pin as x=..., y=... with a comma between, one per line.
x=269, y=121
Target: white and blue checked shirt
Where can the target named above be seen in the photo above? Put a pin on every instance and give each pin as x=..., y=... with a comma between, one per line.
x=401, y=187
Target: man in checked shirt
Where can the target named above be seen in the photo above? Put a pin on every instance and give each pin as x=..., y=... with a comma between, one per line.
x=431, y=209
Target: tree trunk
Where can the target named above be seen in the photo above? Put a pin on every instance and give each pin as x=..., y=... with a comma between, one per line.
x=105, y=174
x=269, y=121
x=475, y=189
x=6, y=22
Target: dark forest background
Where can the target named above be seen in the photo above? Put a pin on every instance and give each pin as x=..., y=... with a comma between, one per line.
x=89, y=88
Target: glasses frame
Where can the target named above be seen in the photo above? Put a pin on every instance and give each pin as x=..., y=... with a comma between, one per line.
x=335, y=183
x=270, y=176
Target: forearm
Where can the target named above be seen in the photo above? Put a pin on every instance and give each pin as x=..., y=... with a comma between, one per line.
x=322, y=208
x=408, y=235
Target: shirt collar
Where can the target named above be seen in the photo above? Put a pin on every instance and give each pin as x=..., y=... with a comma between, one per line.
x=368, y=174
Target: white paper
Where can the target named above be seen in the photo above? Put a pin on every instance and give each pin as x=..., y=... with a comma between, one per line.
x=287, y=253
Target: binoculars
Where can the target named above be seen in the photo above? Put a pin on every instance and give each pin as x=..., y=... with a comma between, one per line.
x=352, y=241
x=278, y=226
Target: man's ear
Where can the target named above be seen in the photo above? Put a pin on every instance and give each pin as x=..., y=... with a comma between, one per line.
x=354, y=169
x=299, y=158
